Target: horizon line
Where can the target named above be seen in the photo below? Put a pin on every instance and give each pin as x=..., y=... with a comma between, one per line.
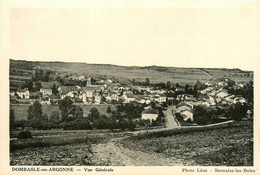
x=80, y=62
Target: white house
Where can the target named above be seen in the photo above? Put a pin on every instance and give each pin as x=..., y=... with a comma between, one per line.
x=46, y=91
x=222, y=94
x=187, y=115
x=128, y=98
x=149, y=114
x=240, y=100
x=23, y=93
x=183, y=108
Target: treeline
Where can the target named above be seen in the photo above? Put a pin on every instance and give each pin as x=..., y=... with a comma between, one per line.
x=70, y=117
x=203, y=115
x=246, y=91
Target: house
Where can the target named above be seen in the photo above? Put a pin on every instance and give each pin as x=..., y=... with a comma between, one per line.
x=183, y=107
x=11, y=94
x=114, y=97
x=208, y=84
x=230, y=98
x=157, y=91
x=128, y=98
x=159, y=98
x=23, y=93
x=205, y=104
x=221, y=84
x=70, y=91
x=149, y=114
x=46, y=91
x=54, y=99
x=188, y=104
x=222, y=94
x=186, y=114
x=109, y=81
x=97, y=99
x=239, y=100
x=90, y=92
x=184, y=97
x=75, y=77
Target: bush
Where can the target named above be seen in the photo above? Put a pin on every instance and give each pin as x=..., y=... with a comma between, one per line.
x=24, y=135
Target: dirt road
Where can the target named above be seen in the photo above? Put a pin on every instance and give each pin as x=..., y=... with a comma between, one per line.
x=114, y=154
x=171, y=121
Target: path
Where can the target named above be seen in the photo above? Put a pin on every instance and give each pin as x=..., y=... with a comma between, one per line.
x=207, y=74
x=171, y=121
x=114, y=154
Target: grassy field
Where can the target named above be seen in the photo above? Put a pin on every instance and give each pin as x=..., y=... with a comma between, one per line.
x=20, y=111
x=154, y=73
x=219, y=147
x=62, y=150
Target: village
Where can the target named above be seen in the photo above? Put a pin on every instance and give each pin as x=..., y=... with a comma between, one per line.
x=106, y=91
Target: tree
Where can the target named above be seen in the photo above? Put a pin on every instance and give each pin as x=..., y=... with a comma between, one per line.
x=200, y=115
x=11, y=120
x=147, y=81
x=93, y=114
x=133, y=81
x=55, y=118
x=38, y=86
x=238, y=111
x=36, y=118
x=186, y=88
x=46, y=76
x=177, y=85
x=28, y=84
x=66, y=106
x=55, y=89
x=108, y=109
x=195, y=90
x=39, y=74
x=77, y=111
x=168, y=85
x=34, y=111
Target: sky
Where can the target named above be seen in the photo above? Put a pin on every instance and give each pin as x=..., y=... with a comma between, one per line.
x=163, y=33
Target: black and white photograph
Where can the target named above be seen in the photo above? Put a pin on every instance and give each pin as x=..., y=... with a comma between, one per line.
x=98, y=85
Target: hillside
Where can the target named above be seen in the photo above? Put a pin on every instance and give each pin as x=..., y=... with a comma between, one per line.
x=125, y=74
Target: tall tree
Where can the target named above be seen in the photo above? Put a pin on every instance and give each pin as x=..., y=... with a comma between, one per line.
x=34, y=111
x=55, y=118
x=147, y=81
x=168, y=85
x=55, y=89
x=195, y=90
x=38, y=86
x=11, y=120
x=28, y=84
x=93, y=114
x=186, y=88
x=66, y=106
x=39, y=74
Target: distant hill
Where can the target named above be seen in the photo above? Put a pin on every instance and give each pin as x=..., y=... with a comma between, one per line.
x=126, y=74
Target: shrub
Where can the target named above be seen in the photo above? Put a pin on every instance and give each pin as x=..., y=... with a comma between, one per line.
x=24, y=135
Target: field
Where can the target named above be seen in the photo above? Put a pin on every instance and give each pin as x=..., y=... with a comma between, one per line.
x=63, y=150
x=232, y=146
x=126, y=74
x=219, y=147
x=20, y=111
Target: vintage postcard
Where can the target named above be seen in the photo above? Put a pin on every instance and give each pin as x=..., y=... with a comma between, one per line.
x=129, y=87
